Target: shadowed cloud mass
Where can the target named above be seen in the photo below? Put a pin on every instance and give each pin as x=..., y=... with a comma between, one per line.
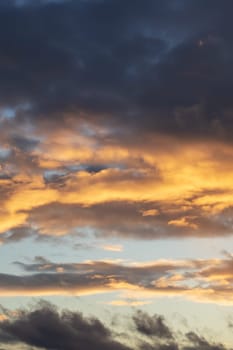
x=116, y=102
x=45, y=327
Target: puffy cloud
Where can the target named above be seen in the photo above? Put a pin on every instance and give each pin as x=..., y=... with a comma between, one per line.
x=152, y=326
x=46, y=327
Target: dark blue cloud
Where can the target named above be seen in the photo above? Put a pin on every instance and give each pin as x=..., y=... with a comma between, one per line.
x=150, y=66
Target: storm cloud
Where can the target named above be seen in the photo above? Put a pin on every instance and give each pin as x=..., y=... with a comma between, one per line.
x=158, y=66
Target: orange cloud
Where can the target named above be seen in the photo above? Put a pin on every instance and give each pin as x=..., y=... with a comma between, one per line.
x=198, y=280
x=183, y=222
x=113, y=247
x=175, y=184
x=3, y=317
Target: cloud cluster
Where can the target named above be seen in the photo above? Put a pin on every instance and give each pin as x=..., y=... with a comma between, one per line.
x=114, y=106
x=115, y=119
x=152, y=326
x=45, y=327
x=117, y=191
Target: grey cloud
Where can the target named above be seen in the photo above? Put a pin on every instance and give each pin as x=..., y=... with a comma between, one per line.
x=24, y=143
x=17, y=234
x=127, y=219
x=46, y=327
x=140, y=67
x=153, y=326
x=201, y=343
x=166, y=277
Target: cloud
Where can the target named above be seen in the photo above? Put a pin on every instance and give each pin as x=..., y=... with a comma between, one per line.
x=201, y=343
x=116, y=118
x=198, y=280
x=112, y=247
x=152, y=326
x=24, y=143
x=2, y=317
x=138, y=193
x=127, y=119
x=17, y=234
x=46, y=327
x=124, y=68
x=128, y=302
x=125, y=219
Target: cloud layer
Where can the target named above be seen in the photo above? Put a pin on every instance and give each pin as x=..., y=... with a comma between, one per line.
x=198, y=280
x=115, y=123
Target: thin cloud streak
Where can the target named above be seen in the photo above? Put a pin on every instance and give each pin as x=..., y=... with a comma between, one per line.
x=198, y=280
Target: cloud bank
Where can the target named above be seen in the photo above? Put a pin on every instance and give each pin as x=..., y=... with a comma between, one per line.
x=45, y=327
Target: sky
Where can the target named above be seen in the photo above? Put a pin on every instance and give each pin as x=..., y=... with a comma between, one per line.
x=116, y=175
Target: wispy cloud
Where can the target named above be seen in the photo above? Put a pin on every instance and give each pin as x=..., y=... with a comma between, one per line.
x=199, y=280
x=113, y=247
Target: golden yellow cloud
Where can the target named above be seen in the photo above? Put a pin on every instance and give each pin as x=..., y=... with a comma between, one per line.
x=179, y=177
